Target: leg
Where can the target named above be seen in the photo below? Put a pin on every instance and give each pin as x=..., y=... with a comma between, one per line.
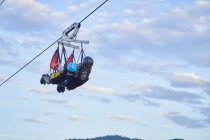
x=60, y=88
x=45, y=79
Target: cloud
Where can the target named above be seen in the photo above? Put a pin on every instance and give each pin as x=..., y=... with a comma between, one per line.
x=157, y=92
x=97, y=98
x=149, y=95
x=18, y=48
x=26, y=27
x=132, y=97
x=42, y=90
x=158, y=36
x=72, y=106
x=2, y=103
x=161, y=93
x=35, y=121
x=203, y=4
x=134, y=86
x=149, y=67
x=124, y=118
x=75, y=118
x=128, y=12
x=188, y=80
x=184, y=121
x=7, y=49
x=2, y=79
x=50, y=114
x=97, y=89
x=30, y=15
x=73, y=8
x=205, y=111
x=56, y=101
x=207, y=90
x=105, y=100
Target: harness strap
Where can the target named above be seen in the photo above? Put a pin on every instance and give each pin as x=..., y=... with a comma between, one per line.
x=63, y=54
x=81, y=55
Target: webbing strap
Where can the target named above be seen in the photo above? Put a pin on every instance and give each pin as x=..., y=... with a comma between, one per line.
x=63, y=53
x=81, y=55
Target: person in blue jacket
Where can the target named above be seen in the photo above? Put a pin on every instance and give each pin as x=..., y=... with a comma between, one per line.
x=77, y=75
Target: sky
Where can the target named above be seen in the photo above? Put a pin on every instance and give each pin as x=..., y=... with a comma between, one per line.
x=150, y=77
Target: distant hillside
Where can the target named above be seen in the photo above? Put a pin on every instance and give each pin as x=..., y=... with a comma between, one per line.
x=115, y=137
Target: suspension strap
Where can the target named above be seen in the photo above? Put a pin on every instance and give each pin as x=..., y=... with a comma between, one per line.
x=73, y=56
x=81, y=55
x=59, y=57
x=63, y=54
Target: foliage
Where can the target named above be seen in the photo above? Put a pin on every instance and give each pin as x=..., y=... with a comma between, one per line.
x=115, y=137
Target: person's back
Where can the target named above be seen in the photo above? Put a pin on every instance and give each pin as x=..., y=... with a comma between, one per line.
x=83, y=73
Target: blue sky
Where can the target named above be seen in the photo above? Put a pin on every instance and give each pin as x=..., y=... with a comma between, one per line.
x=150, y=78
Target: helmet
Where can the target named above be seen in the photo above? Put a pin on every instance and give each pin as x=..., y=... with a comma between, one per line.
x=72, y=67
x=88, y=61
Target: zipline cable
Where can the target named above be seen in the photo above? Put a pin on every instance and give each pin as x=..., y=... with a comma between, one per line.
x=2, y=2
x=29, y=62
x=48, y=46
x=93, y=11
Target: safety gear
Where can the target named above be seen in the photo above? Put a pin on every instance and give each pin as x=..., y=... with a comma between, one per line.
x=88, y=61
x=72, y=67
x=54, y=75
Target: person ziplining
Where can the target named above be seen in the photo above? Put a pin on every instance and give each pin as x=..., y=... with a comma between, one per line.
x=65, y=72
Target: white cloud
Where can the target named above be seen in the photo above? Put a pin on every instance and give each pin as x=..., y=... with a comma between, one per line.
x=124, y=27
x=4, y=104
x=201, y=26
x=73, y=8
x=30, y=15
x=50, y=114
x=203, y=4
x=42, y=90
x=75, y=118
x=56, y=101
x=2, y=79
x=135, y=86
x=128, y=12
x=97, y=89
x=167, y=35
x=102, y=14
x=72, y=106
x=188, y=80
x=125, y=118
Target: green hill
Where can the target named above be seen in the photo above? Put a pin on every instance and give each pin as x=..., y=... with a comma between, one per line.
x=115, y=137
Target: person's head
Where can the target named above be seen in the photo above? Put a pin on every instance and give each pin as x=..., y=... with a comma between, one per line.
x=88, y=62
x=72, y=67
